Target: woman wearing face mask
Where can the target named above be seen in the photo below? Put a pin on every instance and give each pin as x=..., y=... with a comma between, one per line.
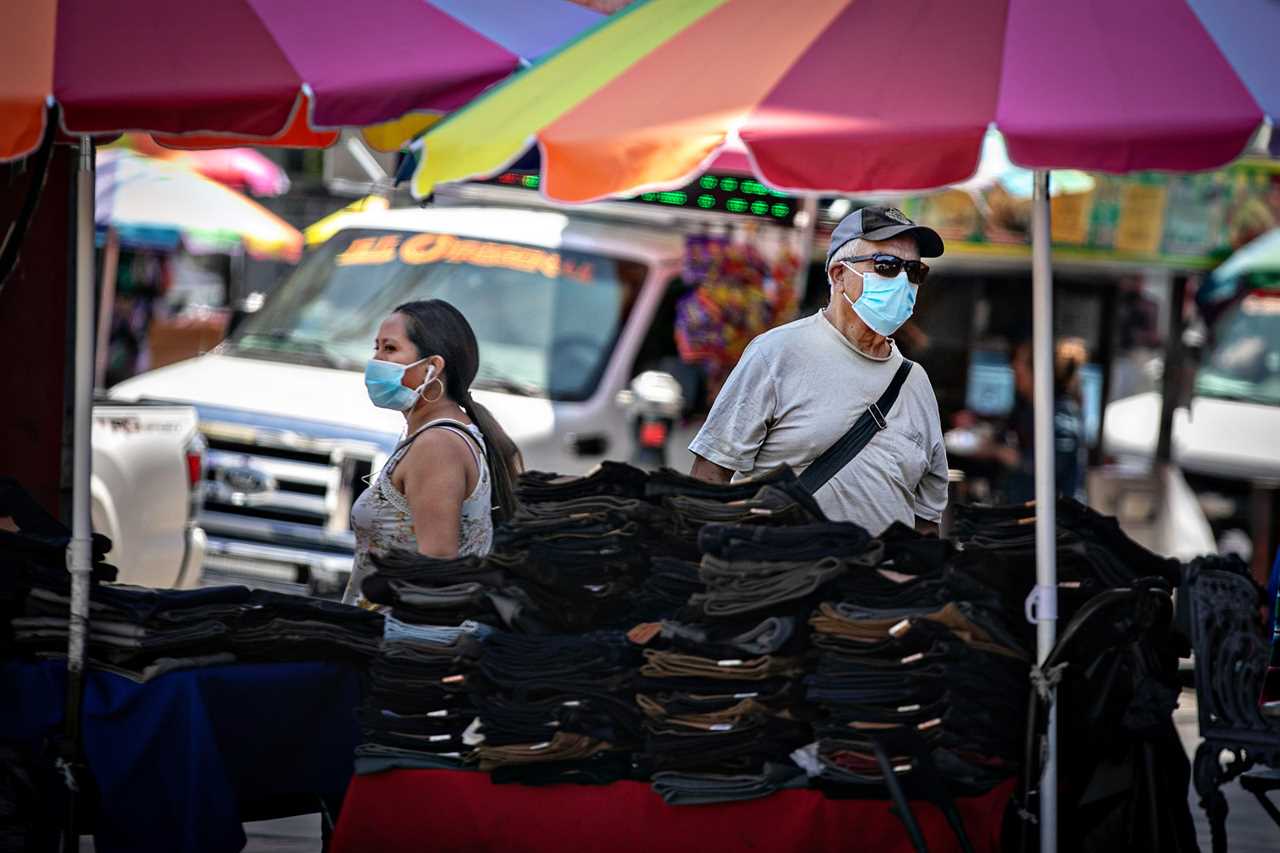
x=453, y=474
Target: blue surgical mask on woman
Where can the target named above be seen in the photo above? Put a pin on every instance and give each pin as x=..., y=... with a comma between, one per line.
x=885, y=303
x=384, y=382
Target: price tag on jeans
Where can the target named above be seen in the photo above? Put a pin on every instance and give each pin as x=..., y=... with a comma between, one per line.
x=643, y=633
x=730, y=662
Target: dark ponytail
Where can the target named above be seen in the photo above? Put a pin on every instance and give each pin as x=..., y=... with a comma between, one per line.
x=437, y=328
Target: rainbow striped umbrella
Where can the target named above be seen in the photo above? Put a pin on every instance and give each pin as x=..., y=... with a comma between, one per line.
x=863, y=95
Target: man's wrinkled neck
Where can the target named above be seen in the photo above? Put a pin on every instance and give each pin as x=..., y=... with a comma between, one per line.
x=860, y=336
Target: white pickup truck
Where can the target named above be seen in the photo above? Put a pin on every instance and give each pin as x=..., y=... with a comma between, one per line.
x=148, y=468
x=567, y=311
x=1227, y=442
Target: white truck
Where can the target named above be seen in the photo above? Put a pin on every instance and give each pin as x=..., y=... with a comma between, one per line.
x=148, y=471
x=1227, y=442
x=567, y=309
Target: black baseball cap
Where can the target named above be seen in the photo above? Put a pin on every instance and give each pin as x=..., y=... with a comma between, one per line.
x=881, y=223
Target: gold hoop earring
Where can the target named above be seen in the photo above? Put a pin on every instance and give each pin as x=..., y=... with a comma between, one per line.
x=437, y=397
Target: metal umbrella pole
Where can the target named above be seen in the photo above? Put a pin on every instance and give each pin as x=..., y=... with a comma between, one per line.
x=80, y=550
x=1046, y=593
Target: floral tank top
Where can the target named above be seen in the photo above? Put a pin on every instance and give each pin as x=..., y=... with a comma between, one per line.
x=382, y=521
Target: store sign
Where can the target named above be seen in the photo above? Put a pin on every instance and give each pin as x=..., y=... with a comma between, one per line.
x=430, y=248
x=1184, y=221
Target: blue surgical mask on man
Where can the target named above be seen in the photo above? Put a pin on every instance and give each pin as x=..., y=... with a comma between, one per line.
x=885, y=303
x=384, y=382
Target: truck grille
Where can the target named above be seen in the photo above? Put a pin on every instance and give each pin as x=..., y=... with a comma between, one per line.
x=305, y=483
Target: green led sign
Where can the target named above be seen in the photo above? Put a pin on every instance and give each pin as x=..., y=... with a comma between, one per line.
x=710, y=193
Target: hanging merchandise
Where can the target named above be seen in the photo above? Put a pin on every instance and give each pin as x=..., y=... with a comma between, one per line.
x=737, y=294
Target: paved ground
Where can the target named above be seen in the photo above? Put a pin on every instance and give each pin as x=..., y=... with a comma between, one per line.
x=1249, y=830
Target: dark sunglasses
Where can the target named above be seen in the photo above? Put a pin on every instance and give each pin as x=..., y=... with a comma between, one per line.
x=890, y=265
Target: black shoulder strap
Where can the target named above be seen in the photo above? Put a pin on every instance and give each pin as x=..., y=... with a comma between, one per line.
x=849, y=445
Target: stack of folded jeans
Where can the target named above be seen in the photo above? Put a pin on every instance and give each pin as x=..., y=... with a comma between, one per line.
x=427, y=591
x=578, y=580
x=607, y=478
x=752, y=569
x=556, y=707
x=667, y=483
x=35, y=554
x=670, y=584
x=279, y=627
x=720, y=728
x=903, y=689
x=142, y=633
x=137, y=632
x=784, y=503
x=419, y=705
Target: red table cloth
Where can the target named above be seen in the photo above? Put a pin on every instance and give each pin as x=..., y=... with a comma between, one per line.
x=447, y=810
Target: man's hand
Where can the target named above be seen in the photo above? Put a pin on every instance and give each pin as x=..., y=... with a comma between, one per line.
x=928, y=528
x=710, y=471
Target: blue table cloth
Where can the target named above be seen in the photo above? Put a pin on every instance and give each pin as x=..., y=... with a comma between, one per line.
x=174, y=759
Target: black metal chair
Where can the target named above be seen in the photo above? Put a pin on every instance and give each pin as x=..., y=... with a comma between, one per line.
x=1231, y=664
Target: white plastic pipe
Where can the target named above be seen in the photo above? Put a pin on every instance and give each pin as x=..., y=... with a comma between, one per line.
x=1046, y=491
x=80, y=551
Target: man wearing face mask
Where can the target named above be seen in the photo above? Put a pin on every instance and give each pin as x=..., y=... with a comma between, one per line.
x=830, y=394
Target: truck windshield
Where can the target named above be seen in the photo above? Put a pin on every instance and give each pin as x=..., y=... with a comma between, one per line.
x=546, y=319
x=1244, y=363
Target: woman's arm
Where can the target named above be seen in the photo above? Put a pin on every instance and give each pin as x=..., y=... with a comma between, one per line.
x=434, y=473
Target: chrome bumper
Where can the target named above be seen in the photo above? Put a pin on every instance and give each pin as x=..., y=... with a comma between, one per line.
x=287, y=568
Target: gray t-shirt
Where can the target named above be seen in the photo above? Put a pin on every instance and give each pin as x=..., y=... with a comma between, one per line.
x=797, y=389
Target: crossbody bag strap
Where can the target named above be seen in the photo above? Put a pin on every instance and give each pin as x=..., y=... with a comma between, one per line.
x=849, y=445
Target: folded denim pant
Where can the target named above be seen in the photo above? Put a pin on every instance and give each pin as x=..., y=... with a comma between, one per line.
x=764, y=639
x=659, y=664
x=792, y=543
x=690, y=789
x=562, y=746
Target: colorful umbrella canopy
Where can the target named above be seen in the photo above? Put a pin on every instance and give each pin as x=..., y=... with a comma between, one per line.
x=862, y=95
x=284, y=72
x=155, y=204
